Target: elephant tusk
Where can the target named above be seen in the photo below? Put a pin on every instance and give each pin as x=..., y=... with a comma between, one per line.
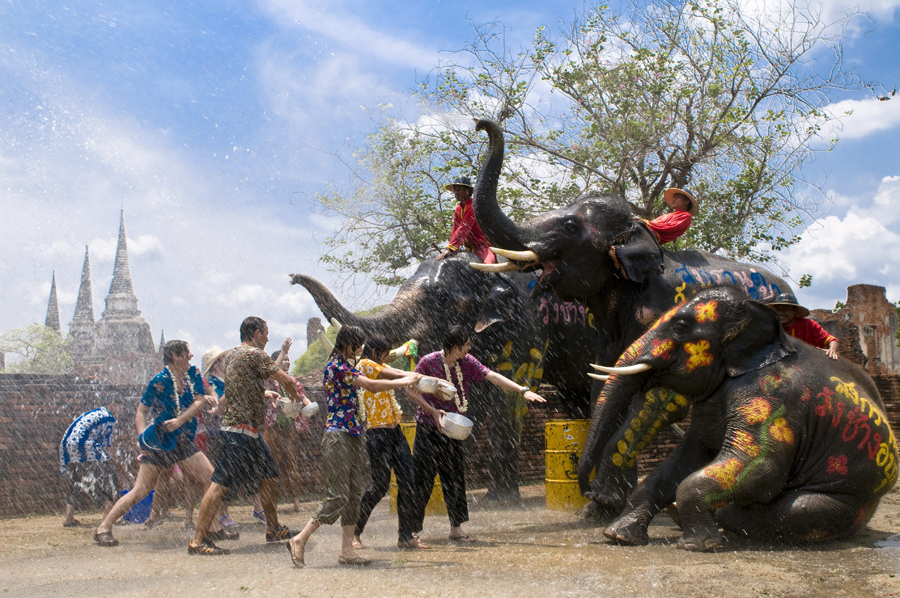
x=503, y=267
x=623, y=371
x=600, y=377
x=325, y=342
x=522, y=256
x=336, y=324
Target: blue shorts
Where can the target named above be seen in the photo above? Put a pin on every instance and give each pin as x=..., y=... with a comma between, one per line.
x=244, y=463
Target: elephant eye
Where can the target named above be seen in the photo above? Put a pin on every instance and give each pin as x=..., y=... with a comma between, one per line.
x=570, y=226
x=681, y=328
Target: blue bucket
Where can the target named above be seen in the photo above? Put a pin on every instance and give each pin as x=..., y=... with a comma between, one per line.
x=140, y=512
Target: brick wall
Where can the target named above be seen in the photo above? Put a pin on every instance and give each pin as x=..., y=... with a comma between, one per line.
x=36, y=410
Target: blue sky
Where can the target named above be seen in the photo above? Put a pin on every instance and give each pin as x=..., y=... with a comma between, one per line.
x=213, y=124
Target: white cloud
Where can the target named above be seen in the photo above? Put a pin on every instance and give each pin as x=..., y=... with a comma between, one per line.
x=861, y=247
x=866, y=117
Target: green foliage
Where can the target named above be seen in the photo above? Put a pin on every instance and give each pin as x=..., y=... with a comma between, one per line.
x=315, y=357
x=805, y=281
x=42, y=350
x=838, y=305
x=657, y=94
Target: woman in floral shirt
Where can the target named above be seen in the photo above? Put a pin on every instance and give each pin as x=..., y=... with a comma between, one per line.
x=343, y=459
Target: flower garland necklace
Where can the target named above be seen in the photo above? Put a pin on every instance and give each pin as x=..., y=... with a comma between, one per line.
x=184, y=384
x=462, y=405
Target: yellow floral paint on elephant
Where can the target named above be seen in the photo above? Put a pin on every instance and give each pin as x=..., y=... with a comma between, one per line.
x=756, y=411
x=699, y=355
x=743, y=442
x=779, y=430
x=662, y=348
x=706, y=312
x=725, y=474
x=665, y=317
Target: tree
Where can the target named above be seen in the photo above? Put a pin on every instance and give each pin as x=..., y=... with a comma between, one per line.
x=705, y=95
x=42, y=350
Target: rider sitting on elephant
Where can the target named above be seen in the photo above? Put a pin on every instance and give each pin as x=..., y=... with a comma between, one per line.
x=666, y=228
x=796, y=324
x=466, y=232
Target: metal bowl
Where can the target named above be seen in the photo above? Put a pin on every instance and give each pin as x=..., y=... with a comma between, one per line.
x=289, y=408
x=457, y=426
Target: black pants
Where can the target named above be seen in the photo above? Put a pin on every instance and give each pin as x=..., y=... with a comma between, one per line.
x=388, y=449
x=433, y=454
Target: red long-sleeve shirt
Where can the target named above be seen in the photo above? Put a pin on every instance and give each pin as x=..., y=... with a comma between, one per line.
x=669, y=227
x=466, y=233
x=810, y=332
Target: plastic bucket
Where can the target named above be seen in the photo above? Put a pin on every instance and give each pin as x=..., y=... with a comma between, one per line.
x=140, y=512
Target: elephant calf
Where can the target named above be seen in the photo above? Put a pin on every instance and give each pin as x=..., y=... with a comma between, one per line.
x=784, y=442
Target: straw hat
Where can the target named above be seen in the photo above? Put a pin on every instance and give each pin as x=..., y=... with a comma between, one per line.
x=461, y=181
x=210, y=357
x=790, y=301
x=669, y=197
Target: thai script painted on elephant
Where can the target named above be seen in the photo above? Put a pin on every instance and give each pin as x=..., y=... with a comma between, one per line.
x=568, y=311
x=753, y=283
x=856, y=420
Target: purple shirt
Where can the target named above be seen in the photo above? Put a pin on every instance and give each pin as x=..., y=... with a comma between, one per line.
x=340, y=393
x=433, y=365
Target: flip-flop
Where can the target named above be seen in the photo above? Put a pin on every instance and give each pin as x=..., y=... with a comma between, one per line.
x=74, y=523
x=297, y=562
x=354, y=561
x=105, y=539
x=464, y=538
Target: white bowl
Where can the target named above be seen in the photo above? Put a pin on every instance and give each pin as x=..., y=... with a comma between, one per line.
x=427, y=384
x=456, y=426
x=289, y=408
x=310, y=410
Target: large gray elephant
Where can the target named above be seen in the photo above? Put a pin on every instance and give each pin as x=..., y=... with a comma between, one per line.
x=570, y=248
x=785, y=443
x=527, y=339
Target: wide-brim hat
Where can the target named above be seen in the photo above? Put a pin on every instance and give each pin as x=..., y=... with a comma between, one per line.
x=212, y=355
x=669, y=197
x=789, y=300
x=460, y=181
x=155, y=437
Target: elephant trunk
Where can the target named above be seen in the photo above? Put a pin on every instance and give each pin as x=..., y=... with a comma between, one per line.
x=395, y=322
x=609, y=414
x=499, y=229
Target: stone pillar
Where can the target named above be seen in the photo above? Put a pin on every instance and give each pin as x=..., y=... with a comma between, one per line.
x=313, y=326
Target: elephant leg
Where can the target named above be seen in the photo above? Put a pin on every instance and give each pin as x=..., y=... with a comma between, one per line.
x=797, y=516
x=656, y=492
x=503, y=483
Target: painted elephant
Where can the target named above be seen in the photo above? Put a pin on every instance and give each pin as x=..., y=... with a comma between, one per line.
x=570, y=247
x=529, y=340
x=784, y=442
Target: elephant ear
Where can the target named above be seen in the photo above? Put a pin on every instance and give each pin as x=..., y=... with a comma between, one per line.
x=640, y=254
x=500, y=304
x=756, y=340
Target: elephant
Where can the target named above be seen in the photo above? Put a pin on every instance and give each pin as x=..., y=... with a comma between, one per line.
x=785, y=444
x=529, y=340
x=570, y=247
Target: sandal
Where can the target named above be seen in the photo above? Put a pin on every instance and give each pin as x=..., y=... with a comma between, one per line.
x=297, y=562
x=413, y=544
x=105, y=539
x=222, y=534
x=260, y=516
x=354, y=561
x=281, y=534
x=464, y=538
x=207, y=549
x=73, y=523
x=227, y=521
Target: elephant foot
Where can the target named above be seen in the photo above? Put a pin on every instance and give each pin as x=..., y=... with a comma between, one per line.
x=596, y=512
x=608, y=496
x=702, y=541
x=674, y=515
x=627, y=532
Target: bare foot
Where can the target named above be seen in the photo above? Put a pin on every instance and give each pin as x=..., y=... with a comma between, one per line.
x=357, y=543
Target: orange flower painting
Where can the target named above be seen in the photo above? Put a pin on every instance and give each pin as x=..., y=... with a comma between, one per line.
x=699, y=355
x=837, y=465
x=725, y=474
x=743, y=442
x=665, y=317
x=779, y=430
x=756, y=412
x=661, y=349
x=706, y=312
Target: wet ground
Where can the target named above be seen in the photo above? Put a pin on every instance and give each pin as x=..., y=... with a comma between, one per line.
x=524, y=551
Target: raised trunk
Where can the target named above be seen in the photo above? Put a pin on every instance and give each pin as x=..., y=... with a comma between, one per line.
x=496, y=226
x=396, y=322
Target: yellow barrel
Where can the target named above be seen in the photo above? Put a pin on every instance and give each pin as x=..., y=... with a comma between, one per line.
x=436, y=505
x=564, y=440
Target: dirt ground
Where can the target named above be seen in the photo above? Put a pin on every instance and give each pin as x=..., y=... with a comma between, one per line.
x=522, y=551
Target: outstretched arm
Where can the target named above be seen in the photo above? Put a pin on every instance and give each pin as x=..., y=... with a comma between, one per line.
x=418, y=399
x=408, y=379
x=507, y=384
x=287, y=383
